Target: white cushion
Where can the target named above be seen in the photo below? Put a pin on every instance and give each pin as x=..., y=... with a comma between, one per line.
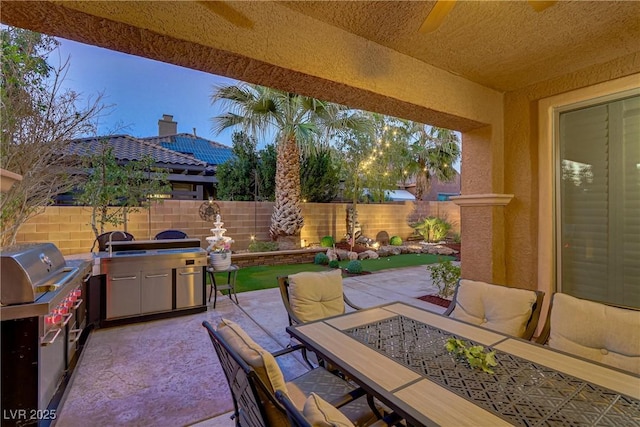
x=260, y=360
x=316, y=295
x=322, y=414
x=595, y=331
x=494, y=307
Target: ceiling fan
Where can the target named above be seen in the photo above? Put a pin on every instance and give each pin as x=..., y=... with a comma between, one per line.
x=442, y=8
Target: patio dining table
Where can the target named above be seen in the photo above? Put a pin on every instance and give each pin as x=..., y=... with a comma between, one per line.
x=397, y=353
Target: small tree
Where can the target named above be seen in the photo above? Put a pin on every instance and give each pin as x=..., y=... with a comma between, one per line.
x=319, y=176
x=38, y=121
x=236, y=176
x=112, y=190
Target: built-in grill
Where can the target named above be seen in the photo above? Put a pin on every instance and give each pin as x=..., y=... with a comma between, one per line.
x=42, y=319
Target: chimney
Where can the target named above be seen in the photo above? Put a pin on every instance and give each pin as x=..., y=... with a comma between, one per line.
x=166, y=126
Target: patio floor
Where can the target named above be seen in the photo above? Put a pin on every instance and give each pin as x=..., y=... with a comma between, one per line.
x=166, y=372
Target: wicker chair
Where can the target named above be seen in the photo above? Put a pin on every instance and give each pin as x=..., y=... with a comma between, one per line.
x=170, y=234
x=253, y=385
x=315, y=407
x=509, y=310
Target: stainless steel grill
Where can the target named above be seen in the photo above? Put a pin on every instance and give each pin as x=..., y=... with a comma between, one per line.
x=42, y=318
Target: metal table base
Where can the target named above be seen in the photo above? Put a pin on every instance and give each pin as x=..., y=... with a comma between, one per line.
x=232, y=273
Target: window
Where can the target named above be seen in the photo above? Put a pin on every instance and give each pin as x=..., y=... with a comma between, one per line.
x=598, y=201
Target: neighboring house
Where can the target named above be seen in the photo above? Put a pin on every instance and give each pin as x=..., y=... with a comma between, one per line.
x=190, y=176
x=438, y=190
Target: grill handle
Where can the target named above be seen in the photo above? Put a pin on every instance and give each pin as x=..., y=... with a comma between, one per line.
x=67, y=277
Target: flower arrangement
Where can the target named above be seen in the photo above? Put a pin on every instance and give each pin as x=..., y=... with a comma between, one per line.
x=220, y=245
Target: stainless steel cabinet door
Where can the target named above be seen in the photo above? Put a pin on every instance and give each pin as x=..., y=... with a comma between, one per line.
x=123, y=292
x=189, y=292
x=156, y=291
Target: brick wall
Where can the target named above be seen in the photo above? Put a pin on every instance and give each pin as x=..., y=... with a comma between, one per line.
x=68, y=226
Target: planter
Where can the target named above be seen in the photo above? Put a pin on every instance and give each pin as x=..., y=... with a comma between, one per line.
x=220, y=261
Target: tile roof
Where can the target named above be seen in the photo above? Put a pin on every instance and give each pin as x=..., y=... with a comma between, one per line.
x=126, y=147
x=208, y=151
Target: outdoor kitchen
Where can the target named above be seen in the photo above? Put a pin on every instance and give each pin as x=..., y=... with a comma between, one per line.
x=51, y=303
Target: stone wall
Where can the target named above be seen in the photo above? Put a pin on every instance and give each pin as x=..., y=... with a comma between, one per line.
x=68, y=226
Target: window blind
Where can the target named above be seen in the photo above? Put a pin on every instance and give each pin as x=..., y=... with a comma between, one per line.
x=599, y=202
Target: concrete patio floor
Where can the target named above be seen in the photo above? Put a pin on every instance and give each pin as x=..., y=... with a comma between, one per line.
x=121, y=367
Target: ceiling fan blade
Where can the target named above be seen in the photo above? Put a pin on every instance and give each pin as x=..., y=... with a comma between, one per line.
x=440, y=11
x=540, y=5
x=228, y=13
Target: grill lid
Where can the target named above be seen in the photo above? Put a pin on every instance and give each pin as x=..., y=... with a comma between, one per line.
x=26, y=270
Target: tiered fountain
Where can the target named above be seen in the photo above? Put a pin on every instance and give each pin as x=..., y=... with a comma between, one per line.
x=219, y=246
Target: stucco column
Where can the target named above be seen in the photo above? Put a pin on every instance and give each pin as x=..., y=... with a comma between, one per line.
x=482, y=206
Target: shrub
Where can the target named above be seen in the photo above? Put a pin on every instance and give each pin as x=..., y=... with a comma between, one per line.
x=327, y=242
x=433, y=229
x=395, y=241
x=257, y=246
x=444, y=275
x=354, y=267
x=334, y=263
x=321, y=259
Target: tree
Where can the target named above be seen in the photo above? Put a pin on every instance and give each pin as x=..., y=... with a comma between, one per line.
x=237, y=176
x=267, y=173
x=112, y=190
x=38, y=121
x=297, y=119
x=435, y=150
x=319, y=176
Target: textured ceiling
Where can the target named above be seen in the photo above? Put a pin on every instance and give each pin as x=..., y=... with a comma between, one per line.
x=504, y=45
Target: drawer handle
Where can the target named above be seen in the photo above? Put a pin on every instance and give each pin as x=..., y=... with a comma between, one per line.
x=78, y=332
x=151, y=276
x=115, y=279
x=190, y=274
x=44, y=342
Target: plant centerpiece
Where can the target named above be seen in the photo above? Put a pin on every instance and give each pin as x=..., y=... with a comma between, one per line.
x=444, y=276
x=473, y=355
x=219, y=246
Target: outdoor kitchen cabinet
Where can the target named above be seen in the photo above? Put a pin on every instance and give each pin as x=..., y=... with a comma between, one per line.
x=189, y=289
x=123, y=291
x=156, y=290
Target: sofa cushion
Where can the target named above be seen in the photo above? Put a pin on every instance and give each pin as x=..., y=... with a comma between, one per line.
x=494, y=307
x=316, y=295
x=260, y=360
x=595, y=331
x=322, y=414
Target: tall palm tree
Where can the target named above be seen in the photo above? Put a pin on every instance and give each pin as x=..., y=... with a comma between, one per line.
x=298, y=120
x=435, y=150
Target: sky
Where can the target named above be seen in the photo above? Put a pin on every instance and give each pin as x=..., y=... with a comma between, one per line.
x=141, y=90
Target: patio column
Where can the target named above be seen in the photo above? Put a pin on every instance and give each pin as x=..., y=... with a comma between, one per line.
x=483, y=231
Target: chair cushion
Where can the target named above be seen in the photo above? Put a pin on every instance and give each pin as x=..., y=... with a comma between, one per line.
x=322, y=414
x=316, y=295
x=595, y=331
x=260, y=360
x=495, y=307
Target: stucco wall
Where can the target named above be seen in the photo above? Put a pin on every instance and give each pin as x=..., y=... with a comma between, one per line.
x=522, y=168
x=68, y=226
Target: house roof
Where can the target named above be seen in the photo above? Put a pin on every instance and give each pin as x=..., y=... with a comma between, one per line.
x=126, y=147
x=208, y=151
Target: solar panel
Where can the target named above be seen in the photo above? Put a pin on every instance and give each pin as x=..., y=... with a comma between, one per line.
x=201, y=149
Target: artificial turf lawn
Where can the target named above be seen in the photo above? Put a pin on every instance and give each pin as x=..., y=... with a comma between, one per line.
x=264, y=277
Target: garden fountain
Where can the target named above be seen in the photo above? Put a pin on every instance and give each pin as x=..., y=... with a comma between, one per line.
x=219, y=246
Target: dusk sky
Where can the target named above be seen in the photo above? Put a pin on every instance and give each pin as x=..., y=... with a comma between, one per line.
x=141, y=91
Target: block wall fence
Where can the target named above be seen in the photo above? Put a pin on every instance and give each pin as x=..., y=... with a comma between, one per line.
x=68, y=227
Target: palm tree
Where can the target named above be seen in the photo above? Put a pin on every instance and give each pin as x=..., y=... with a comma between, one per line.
x=298, y=121
x=435, y=150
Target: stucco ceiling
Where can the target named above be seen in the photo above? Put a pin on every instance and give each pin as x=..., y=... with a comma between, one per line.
x=504, y=45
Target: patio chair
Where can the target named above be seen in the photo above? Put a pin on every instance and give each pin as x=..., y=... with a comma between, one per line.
x=116, y=236
x=512, y=311
x=319, y=413
x=170, y=234
x=253, y=376
x=595, y=331
x=310, y=296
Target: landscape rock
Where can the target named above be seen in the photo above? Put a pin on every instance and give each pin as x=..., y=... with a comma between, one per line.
x=352, y=256
x=332, y=254
x=368, y=255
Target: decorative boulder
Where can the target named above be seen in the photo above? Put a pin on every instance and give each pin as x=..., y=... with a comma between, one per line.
x=342, y=254
x=352, y=256
x=368, y=255
x=383, y=238
x=332, y=254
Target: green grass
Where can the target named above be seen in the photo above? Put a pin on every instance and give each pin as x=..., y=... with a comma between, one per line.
x=265, y=277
